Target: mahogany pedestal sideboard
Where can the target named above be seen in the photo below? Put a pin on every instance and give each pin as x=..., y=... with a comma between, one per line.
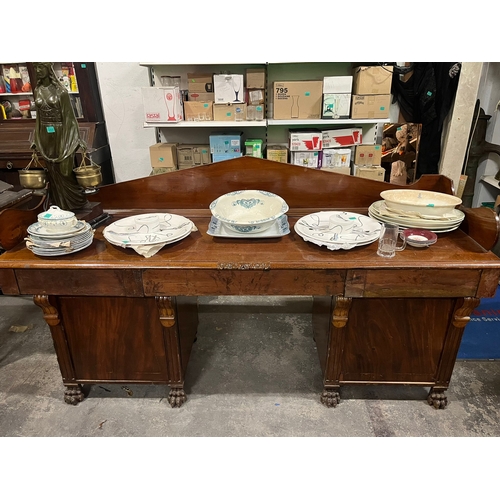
x=117, y=317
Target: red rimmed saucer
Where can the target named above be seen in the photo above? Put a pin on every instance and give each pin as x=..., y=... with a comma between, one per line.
x=419, y=238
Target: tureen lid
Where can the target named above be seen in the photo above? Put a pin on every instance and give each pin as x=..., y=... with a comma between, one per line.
x=55, y=213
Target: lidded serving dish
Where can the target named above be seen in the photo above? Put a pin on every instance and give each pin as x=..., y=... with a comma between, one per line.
x=56, y=220
x=248, y=210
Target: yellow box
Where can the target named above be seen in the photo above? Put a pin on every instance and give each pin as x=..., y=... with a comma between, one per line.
x=277, y=153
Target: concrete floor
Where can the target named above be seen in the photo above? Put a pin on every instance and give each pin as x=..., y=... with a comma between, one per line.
x=235, y=387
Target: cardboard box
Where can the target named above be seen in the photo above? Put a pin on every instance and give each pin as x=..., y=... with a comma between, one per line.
x=256, y=96
x=225, y=156
x=163, y=155
x=200, y=83
x=201, y=96
x=256, y=78
x=225, y=143
x=162, y=104
x=375, y=173
x=227, y=112
x=198, y=111
x=372, y=80
x=337, y=85
x=310, y=159
x=370, y=106
x=336, y=106
x=337, y=170
x=336, y=157
x=305, y=140
x=253, y=147
x=193, y=155
x=342, y=137
x=300, y=99
x=368, y=155
x=229, y=88
x=277, y=153
x=162, y=170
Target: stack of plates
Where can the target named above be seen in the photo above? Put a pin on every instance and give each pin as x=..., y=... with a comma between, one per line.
x=358, y=229
x=144, y=241
x=412, y=219
x=49, y=244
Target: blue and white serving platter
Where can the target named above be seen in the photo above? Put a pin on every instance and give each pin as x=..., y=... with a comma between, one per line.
x=279, y=228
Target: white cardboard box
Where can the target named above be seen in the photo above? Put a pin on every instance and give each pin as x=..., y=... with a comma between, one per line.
x=336, y=106
x=337, y=85
x=310, y=159
x=305, y=140
x=336, y=157
x=337, y=170
x=342, y=137
x=229, y=88
x=162, y=104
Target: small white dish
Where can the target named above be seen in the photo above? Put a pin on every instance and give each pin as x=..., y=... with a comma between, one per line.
x=279, y=227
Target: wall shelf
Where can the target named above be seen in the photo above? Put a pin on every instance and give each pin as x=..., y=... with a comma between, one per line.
x=205, y=124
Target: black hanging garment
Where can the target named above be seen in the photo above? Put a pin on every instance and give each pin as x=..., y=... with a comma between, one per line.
x=426, y=98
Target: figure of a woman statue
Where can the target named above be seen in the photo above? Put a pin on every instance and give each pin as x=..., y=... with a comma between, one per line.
x=57, y=138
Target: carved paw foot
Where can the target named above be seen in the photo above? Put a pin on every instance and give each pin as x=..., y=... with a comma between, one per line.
x=73, y=395
x=330, y=398
x=177, y=397
x=437, y=399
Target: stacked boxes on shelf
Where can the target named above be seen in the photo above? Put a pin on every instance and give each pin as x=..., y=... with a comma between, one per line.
x=253, y=147
x=256, y=93
x=200, y=98
x=337, y=149
x=305, y=147
x=371, y=92
x=163, y=157
x=337, y=91
x=367, y=162
x=192, y=155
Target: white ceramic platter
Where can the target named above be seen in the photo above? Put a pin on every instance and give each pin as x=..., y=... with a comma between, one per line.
x=172, y=228
x=37, y=229
x=315, y=228
x=279, y=228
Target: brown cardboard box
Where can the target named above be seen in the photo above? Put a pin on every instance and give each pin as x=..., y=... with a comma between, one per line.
x=299, y=99
x=162, y=170
x=375, y=173
x=201, y=96
x=193, y=155
x=163, y=155
x=200, y=83
x=256, y=78
x=370, y=106
x=277, y=153
x=256, y=96
x=368, y=155
x=226, y=112
x=198, y=111
x=337, y=170
x=372, y=80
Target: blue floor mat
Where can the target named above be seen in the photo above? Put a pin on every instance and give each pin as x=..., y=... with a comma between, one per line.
x=481, y=338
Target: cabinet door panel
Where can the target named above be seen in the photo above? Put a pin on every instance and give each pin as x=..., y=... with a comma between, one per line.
x=114, y=338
